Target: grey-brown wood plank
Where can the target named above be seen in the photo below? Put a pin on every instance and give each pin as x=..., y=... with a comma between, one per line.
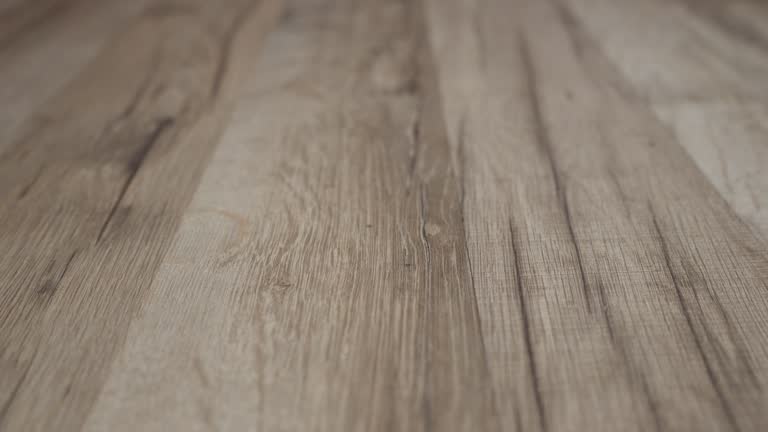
x=452, y=215
x=85, y=221
x=347, y=296
x=628, y=263
x=588, y=252
x=702, y=77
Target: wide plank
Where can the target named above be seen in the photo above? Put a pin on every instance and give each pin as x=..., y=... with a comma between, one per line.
x=84, y=220
x=338, y=295
x=701, y=66
x=607, y=259
x=383, y=215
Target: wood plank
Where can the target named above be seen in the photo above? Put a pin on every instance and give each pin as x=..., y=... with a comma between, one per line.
x=85, y=222
x=727, y=140
x=703, y=77
x=339, y=296
x=607, y=259
x=529, y=275
x=451, y=215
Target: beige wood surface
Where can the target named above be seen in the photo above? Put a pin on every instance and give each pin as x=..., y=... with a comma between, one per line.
x=92, y=191
x=703, y=77
x=384, y=215
x=64, y=44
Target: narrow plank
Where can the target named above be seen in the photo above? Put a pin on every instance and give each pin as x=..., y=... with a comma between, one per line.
x=337, y=294
x=34, y=69
x=619, y=261
x=84, y=223
x=704, y=77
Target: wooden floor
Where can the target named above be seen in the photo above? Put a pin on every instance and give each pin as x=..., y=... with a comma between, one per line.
x=383, y=215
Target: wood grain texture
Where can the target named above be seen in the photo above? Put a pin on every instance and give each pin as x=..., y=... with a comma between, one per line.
x=87, y=222
x=343, y=139
x=390, y=215
x=704, y=79
x=607, y=264
x=727, y=141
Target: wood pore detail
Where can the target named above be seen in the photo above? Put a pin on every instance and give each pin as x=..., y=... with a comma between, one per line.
x=385, y=215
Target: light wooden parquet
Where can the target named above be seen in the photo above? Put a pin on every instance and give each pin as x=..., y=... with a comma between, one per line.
x=383, y=215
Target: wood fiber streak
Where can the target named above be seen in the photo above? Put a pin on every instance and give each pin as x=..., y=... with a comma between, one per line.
x=92, y=190
x=384, y=215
